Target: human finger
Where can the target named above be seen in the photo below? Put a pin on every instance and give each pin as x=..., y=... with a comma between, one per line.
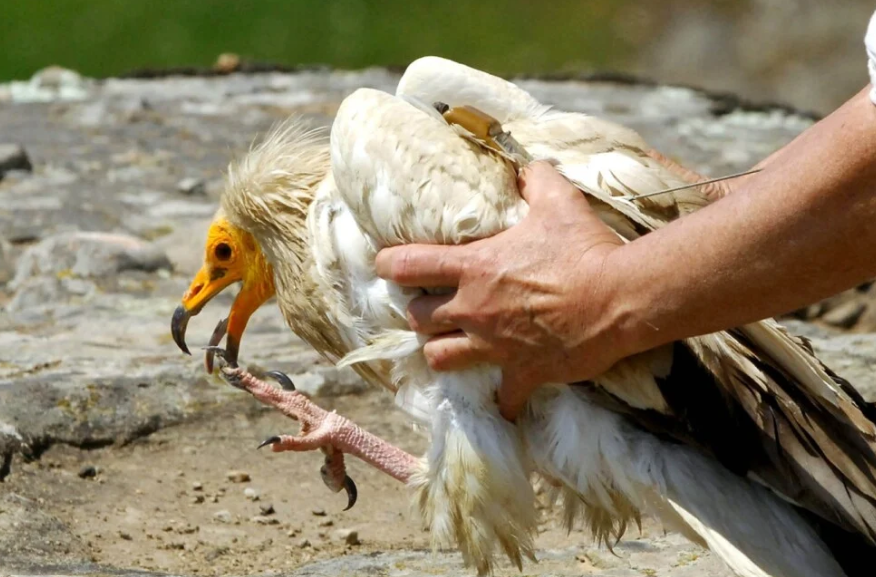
x=542, y=184
x=428, y=314
x=421, y=265
x=454, y=352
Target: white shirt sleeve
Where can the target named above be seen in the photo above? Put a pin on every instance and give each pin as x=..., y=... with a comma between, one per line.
x=870, y=43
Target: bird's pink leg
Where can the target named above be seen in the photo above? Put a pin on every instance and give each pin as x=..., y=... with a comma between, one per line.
x=324, y=430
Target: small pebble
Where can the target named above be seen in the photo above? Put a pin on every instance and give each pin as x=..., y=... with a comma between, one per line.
x=262, y=520
x=192, y=186
x=87, y=472
x=198, y=499
x=266, y=509
x=222, y=516
x=251, y=494
x=293, y=532
x=197, y=486
x=319, y=512
x=326, y=523
x=321, y=534
x=348, y=536
x=238, y=476
x=125, y=536
x=304, y=543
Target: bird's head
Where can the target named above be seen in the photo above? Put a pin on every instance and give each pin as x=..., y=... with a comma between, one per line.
x=231, y=255
x=259, y=231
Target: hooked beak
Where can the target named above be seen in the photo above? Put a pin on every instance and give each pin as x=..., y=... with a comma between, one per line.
x=209, y=282
x=178, y=325
x=206, y=285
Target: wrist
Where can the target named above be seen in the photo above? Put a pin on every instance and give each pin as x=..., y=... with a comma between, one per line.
x=630, y=308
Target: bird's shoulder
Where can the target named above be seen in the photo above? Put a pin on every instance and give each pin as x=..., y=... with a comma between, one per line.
x=407, y=176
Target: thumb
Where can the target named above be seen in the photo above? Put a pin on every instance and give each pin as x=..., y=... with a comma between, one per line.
x=542, y=185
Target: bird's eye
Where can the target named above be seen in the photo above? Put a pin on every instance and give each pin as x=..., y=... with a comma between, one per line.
x=222, y=251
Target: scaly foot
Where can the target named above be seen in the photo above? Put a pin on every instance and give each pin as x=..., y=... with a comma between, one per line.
x=316, y=423
x=331, y=433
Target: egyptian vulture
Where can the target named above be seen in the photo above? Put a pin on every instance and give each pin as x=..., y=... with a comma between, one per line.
x=741, y=440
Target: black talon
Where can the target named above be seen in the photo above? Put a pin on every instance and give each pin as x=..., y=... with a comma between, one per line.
x=222, y=354
x=215, y=339
x=216, y=350
x=352, y=492
x=269, y=441
x=282, y=378
x=231, y=378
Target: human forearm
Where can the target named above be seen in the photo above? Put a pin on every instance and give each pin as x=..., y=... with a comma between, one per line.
x=800, y=230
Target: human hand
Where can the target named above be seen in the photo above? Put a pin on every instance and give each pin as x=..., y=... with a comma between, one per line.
x=534, y=300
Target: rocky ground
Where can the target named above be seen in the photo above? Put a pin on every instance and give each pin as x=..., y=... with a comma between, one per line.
x=118, y=455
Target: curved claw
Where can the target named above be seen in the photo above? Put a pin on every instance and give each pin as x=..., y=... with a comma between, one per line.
x=352, y=492
x=222, y=354
x=269, y=441
x=215, y=339
x=282, y=378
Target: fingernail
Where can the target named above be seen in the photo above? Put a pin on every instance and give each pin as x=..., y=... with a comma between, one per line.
x=382, y=264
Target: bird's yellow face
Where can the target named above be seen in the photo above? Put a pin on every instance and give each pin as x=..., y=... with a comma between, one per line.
x=232, y=255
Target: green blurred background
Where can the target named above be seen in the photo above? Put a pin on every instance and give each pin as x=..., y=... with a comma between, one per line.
x=803, y=52
x=102, y=37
